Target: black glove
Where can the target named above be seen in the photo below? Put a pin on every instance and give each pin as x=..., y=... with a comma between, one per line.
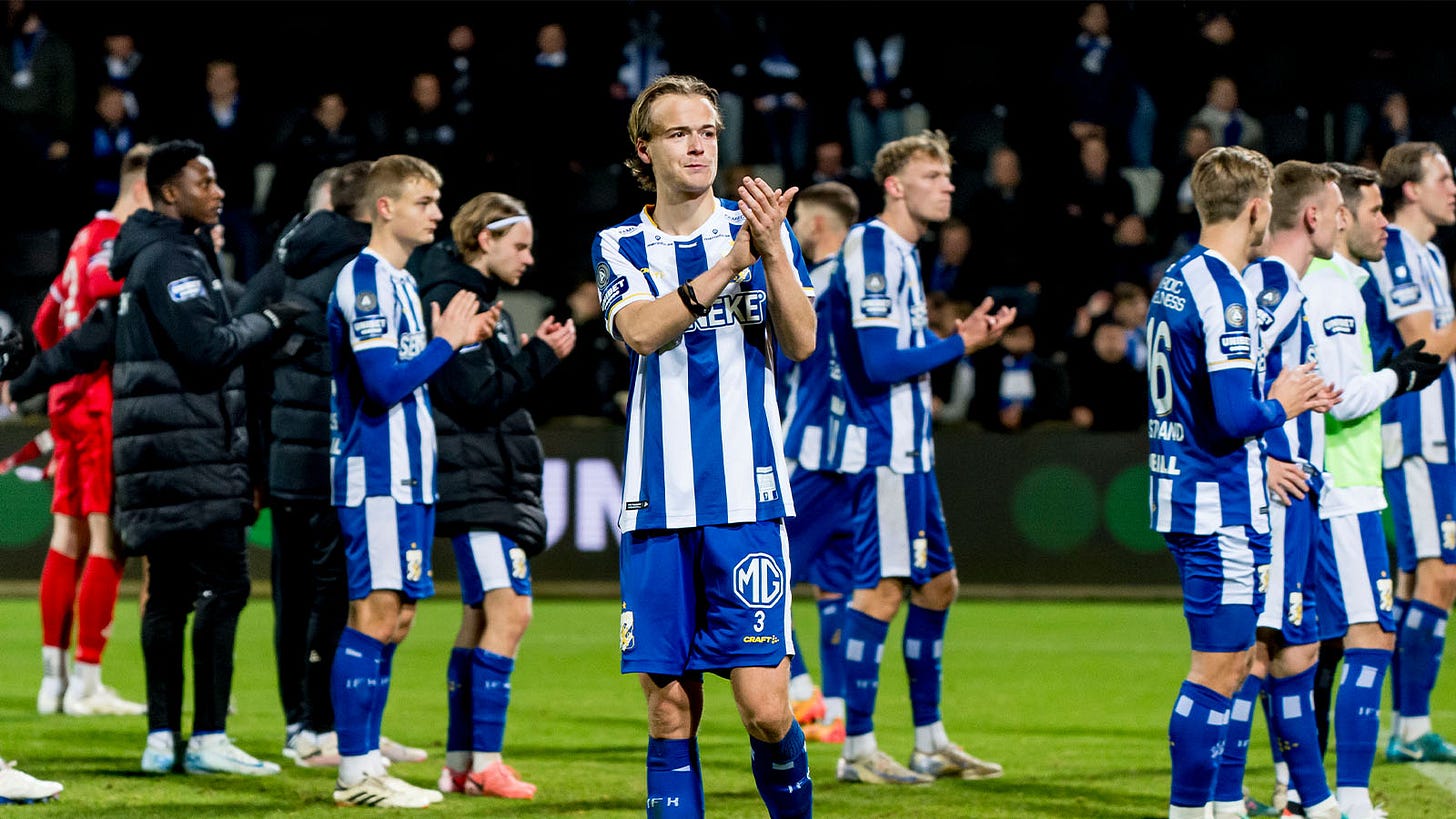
x=1414, y=370
x=16, y=351
x=284, y=313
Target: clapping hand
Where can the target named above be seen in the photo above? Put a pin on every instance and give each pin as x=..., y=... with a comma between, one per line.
x=982, y=328
x=561, y=338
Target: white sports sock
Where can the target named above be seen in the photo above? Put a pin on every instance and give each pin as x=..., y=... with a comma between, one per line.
x=483, y=759
x=53, y=669
x=860, y=746
x=1328, y=809
x=1413, y=728
x=353, y=769
x=1355, y=802
x=378, y=765
x=87, y=675
x=1229, y=810
x=801, y=688
x=833, y=708
x=931, y=738
x=458, y=761
x=1281, y=773
x=1175, y=812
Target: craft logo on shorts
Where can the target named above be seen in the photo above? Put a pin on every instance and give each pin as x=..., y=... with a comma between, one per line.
x=626, y=634
x=414, y=563
x=758, y=581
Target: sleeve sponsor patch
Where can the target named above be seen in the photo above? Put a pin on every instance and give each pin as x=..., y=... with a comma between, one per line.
x=1340, y=326
x=185, y=289
x=875, y=306
x=1404, y=295
x=613, y=293
x=1234, y=345
x=370, y=327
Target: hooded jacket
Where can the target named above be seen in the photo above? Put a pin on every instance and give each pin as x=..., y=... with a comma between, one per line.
x=180, y=442
x=490, y=460
x=312, y=255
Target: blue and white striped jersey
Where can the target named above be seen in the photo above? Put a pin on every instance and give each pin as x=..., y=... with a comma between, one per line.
x=704, y=441
x=1412, y=278
x=375, y=450
x=1199, y=323
x=878, y=285
x=1285, y=340
x=805, y=386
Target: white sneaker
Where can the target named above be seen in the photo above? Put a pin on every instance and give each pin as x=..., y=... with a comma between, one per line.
x=878, y=768
x=48, y=700
x=103, y=701
x=430, y=796
x=396, y=752
x=376, y=792
x=952, y=760
x=318, y=751
x=216, y=753
x=20, y=788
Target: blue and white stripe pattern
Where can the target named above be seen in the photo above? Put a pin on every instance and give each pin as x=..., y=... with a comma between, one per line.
x=1412, y=278
x=878, y=285
x=1285, y=340
x=376, y=450
x=805, y=387
x=1200, y=322
x=704, y=441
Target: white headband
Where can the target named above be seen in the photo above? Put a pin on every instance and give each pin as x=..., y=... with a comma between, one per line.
x=501, y=224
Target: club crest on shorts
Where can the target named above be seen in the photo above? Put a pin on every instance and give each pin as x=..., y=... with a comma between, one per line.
x=758, y=581
x=414, y=563
x=626, y=633
x=1296, y=608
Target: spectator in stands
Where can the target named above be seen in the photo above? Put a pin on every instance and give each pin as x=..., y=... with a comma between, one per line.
x=1016, y=387
x=329, y=134
x=1226, y=121
x=1108, y=363
x=124, y=67
x=1176, y=218
x=37, y=115
x=1008, y=225
x=775, y=86
x=829, y=166
x=885, y=106
x=109, y=133
x=953, y=251
x=232, y=128
x=427, y=128
x=1095, y=82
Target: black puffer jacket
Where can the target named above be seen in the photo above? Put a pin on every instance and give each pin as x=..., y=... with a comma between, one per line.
x=490, y=458
x=179, y=445
x=312, y=256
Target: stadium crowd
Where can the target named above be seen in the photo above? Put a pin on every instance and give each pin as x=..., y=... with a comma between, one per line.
x=1088, y=139
x=932, y=296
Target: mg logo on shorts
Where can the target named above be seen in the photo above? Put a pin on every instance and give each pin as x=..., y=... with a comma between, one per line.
x=758, y=581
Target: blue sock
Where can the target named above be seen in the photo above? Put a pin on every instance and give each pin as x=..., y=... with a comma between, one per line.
x=864, y=643
x=457, y=697
x=1274, y=752
x=674, y=779
x=1421, y=641
x=796, y=660
x=924, y=637
x=352, y=686
x=1357, y=715
x=1293, y=701
x=831, y=646
x=1399, y=610
x=381, y=694
x=1229, y=784
x=491, y=692
x=781, y=771
x=1196, y=734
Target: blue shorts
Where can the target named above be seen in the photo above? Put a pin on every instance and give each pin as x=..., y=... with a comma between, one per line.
x=821, y=539
x=706, y=599
x=387, y=547
x=487, y=561
x=1223, y=577
x=1422, y=500
x=899, y=529
x=1299, y=541
x=1360, y=588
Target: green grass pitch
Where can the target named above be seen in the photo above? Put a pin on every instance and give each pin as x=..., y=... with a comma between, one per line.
x=1072, y=697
